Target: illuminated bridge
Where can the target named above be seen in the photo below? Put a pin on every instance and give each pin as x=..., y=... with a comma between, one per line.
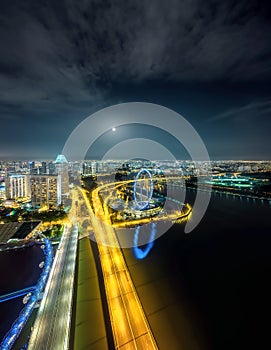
x=17, y=294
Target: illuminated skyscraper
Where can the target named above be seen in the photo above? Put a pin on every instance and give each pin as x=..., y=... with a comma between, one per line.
x=61, y=164
x=33, y=169
x=51, y=168
x=45, y=190
x=43, y=168
x=17, y=186
x=93, y=168
x=86, y=168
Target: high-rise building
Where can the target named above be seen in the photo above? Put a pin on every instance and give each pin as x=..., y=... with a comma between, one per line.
x=45, y=190
x=17, y=186
x=43, y=168
x=93, y=168
x=32, y=168
x=75, y=170
x=86, y=168
x=2, y=190
x=51, y=168
x=61, y=165
x=89, y=168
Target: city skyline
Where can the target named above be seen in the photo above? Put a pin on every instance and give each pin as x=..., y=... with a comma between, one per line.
x=132, y=219
x=135, y=174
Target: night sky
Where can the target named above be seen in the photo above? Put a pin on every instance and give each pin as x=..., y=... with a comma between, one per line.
x=62, y=60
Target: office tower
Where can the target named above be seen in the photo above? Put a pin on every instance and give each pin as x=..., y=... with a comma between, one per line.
x=93, y=168
x=43, y=168
x=75, y=170
x=51, y=168
x=61, y=165
x=45, y=190
x=2, y=191
x=17, y=186
x=86, y=168
x=32, y=168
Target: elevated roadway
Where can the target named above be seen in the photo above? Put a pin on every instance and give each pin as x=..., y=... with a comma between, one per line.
x=51, y=329
x=130, y=327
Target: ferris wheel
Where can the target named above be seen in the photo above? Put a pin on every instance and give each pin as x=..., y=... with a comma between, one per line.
x=143, y=189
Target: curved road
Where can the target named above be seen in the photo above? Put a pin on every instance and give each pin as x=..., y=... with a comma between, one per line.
x=131, y=329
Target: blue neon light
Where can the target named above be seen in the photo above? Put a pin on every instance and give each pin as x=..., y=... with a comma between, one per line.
x=16, y=294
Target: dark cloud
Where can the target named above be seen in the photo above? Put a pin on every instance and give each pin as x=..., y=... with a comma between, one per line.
x=79, y=43
x=63, y=58
x=249, y=110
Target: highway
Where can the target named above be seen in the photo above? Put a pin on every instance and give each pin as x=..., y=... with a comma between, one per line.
x=130, y=327
x=52, y=326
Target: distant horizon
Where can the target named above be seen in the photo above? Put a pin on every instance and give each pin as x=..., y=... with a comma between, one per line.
x=125, y=159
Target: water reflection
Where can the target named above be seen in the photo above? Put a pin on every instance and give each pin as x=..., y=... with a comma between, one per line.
x=143, y=251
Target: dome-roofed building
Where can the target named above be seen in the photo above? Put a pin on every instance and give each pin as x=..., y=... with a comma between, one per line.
x=61, y=159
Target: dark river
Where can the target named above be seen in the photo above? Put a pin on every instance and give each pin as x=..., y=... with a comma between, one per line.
x=18, y=269
x=210, y=289
x=207, y=290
